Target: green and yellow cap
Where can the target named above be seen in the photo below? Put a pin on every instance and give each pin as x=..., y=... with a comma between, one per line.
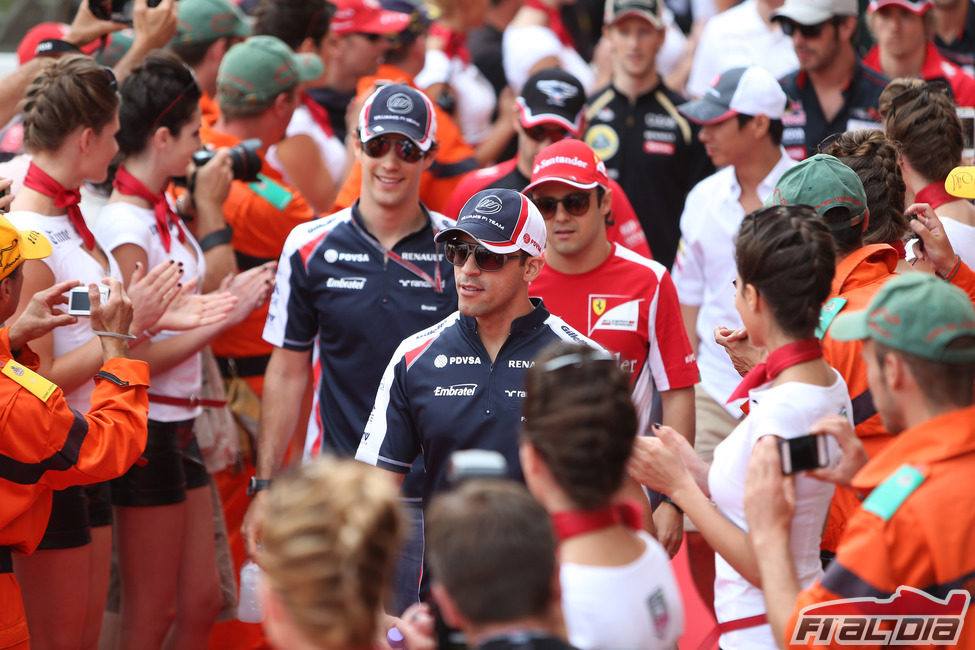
x=204, y=21
x=823, y=182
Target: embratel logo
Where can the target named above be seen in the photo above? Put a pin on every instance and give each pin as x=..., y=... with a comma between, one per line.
x=490, y=204
x=908, y=617
x=457, y=390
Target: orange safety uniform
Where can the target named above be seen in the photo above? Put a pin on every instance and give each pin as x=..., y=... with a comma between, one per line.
x=262, y=215
x=209, y=109
x=45, y=446
x=858, y=277
x=964, y=279
x=916, y=527
x=454, y=157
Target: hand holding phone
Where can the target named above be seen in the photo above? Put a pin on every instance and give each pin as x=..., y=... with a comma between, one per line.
x=79, y=304
x=803, y=453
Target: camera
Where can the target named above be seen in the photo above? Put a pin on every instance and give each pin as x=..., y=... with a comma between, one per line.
x=119, y=11
x=803, y=453
x=79, y=304
x=243, y=157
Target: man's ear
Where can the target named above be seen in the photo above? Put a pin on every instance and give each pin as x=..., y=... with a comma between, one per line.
x=895, y=372
x=760, y=125
x=532, y=268
x=448, y=608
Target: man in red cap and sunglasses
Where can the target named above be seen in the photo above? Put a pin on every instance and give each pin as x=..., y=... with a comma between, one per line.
x=624, y=301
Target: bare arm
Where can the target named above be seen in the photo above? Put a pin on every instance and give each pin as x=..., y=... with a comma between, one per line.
x=678, y=407
x=689, y=314
x=154, y=28
x=212, y=186
x=15, y=85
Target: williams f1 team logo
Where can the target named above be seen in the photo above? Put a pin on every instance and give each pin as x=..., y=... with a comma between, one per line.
x=910, y=617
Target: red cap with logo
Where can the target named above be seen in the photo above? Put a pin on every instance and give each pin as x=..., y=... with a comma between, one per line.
x=366, y=17
x=42, y=32
x=569, y=161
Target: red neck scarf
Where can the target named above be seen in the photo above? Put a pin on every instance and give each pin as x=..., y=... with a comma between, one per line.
x=571, y=523
x=37, y=179
x=126, y=183
x=554, y=21
x=900, y=247
x=934, y=195
x=455, y=43
x=318, y=113
x=788, y=355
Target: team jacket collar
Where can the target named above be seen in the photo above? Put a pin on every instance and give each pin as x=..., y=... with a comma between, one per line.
x=938, y=439
x=863, y=266
x=428, y=228
x=530, y=321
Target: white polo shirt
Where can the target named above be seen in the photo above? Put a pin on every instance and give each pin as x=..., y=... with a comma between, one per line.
x=705, y=268
x=739, y=38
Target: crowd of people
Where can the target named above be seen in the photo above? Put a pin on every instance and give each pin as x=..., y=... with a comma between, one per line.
x=461, y=318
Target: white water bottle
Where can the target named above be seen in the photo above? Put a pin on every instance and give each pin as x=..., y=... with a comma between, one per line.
x=250, y=609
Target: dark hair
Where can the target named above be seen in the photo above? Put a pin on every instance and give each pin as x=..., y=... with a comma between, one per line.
x=160, y=92
x=581, y=421
x=70, y=93
x=923, y=126
x=874, y=159
x=775, y=127
x=491, y=546
x=192, y=54
x=788, y=254
x=943, y=384
x=293, y=21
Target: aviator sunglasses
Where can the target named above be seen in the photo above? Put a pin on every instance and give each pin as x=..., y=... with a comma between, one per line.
x=406, y=150
x=790, y=27
x=576, y=204
x=457, y=253
x=542, y=132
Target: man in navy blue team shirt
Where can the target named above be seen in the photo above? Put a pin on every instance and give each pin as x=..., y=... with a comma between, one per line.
x=460, y=384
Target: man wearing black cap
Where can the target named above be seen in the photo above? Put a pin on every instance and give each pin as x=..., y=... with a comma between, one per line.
x=351, y=286
x=648, y=147
x=459, y=384
x=551, y=107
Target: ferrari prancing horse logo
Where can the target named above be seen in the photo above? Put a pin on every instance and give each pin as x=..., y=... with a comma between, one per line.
x=599, y=306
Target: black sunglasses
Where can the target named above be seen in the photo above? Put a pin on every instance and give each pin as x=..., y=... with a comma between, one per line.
x=372, y=38
x=576, y=204
x=406, y=150
x=939, y=86
x=112, y=79
x=790, y=27
x=457, y=253
x=541, y=132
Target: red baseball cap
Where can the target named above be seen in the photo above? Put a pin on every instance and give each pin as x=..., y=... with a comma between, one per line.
x=569, y=161
x=918, y=7
x=366, y=17
x=43, y=32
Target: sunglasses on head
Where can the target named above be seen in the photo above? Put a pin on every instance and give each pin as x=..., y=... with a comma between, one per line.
x=541, y=132
x=576, y=204
x=406, y=149
x=790, y=27
x=457, y=253
x=909, y=95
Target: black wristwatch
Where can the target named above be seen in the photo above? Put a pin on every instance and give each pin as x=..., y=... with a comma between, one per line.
x=663, y=499
x=257, y=484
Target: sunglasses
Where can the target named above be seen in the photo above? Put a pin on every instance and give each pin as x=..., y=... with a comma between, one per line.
x=938, y=86
x=372, y=38
x=790, y=27
x=110, y=76
x=457, y=253
x=406, y=150
x=576, y=204
x=539, y=133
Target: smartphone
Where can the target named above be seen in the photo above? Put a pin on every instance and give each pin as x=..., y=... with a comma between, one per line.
x=476, y=464
x=967, y=116
x=803, y=453
x=119, y=11
x=78, y=302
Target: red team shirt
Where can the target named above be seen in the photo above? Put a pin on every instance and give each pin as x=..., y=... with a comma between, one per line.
x=627, y=304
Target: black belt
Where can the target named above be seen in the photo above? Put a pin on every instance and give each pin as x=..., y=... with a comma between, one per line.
x=245, y=261
x=6, y=561
x=231, y=367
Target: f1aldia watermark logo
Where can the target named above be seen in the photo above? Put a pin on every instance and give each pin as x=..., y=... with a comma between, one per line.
x=909, y=617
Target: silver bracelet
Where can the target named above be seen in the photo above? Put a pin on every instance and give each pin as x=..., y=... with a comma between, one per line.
x=114, y=335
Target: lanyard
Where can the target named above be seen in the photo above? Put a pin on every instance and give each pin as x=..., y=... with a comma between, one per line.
x=435, y=281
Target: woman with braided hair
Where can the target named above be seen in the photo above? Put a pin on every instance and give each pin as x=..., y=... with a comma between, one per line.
x=786, y=260
x=618, y=590
x=921, y=122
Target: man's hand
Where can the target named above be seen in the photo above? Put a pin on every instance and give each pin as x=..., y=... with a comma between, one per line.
x=252, y=528
x=744, y=356
x=41, y=314
x=937, y=250
x=854, y=455
x=770, y=496
x=114, y=316
x=154, y=27
x=670, y=527
x=85, y=28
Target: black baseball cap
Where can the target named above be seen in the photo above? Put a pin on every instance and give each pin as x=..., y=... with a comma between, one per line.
x=552, y=96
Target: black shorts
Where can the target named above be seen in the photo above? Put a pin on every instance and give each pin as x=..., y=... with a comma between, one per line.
x=67, y=526
x=171, y=464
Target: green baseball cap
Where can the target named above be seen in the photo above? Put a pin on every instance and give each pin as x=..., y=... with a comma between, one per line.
x=204, y=21
x=260, y=68
x=916, y=313
x=822, y=182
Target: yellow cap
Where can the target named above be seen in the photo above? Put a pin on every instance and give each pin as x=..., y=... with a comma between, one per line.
x=18, y=245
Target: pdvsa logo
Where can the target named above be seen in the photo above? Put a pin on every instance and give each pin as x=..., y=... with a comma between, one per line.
x=457, y=390
x=910, y=617
x=442, y=360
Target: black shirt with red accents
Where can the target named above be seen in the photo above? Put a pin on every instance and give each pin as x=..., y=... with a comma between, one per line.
x=806, y=124
x=961, y=50
x=653, y=152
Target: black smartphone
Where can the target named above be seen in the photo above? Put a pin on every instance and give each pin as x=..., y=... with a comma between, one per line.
x=119, y=11
x=803, y=453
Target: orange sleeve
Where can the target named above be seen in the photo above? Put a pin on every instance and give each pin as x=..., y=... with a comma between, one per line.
x=964, y=279
x=350, y=191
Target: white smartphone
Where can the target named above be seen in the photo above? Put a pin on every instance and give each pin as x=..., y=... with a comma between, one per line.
x=79, y=303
